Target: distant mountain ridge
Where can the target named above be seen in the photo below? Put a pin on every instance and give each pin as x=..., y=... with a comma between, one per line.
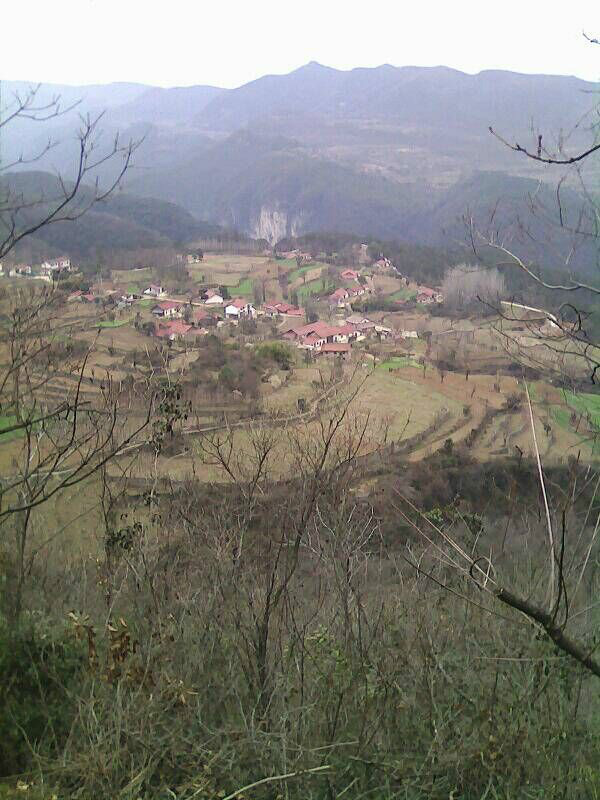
x=423, y=95
x=388, y=151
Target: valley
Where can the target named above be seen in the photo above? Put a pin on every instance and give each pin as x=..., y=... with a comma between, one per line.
x=299, y=409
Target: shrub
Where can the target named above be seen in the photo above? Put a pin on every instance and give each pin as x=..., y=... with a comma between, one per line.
x=36, y=667
x=278, y=352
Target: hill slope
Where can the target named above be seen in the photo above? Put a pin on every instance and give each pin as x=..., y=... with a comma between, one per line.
x=387, y=151
x=122, y=221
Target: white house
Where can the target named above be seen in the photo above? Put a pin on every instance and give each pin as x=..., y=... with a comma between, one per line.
x=55, y=265
x=382, y=331
x=154, y=291
x=168, y=309
x=212, y=298
x=239, y=308
x=20, y=269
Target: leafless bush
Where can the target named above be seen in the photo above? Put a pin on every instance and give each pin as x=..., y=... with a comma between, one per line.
x=470, y=288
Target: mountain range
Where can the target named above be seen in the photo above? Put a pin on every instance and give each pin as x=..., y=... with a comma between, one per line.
x=392, y=152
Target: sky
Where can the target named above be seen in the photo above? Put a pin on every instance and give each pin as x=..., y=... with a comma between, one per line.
x=225, y=43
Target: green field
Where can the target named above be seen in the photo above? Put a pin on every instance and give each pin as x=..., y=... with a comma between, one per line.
x=5, y=422
x=398, y=363
x=404, y=294
x=313, y=287
x=288, y=262
x=299, y=271
x=587, y=404
x=581, y=404
x=561, y=417
x=243, y=288
x=118, y=323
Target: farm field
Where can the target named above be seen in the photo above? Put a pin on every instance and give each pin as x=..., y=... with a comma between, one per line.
x=313, y=287
x=385, y=406
x=401, y=398
x=404, y=294
x=398, y=363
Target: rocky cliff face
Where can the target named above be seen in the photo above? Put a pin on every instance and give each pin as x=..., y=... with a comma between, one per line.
x=274, y=224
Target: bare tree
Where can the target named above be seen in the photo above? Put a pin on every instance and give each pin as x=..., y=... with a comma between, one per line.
x=22, y=216
x=465, y=287
x=562, y=224
x=60, y=425
x=560, y=601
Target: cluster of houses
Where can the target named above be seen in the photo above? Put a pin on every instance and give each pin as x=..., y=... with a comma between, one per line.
x=325, y=339
x=344, y=296
x=195, y=257
x=177, y=319
x=426, y=296
x=299, y=255
x=47, y=270
x=281, y=310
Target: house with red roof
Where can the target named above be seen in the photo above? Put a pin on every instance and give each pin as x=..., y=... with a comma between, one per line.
x=314, y=335
x=213, y=298
x=177, y=329
x=357, y=291
x=347, y=333
x=336, y=349
x=350, y=275
x=240, y=307
x=339, y=297
x=425, y=295
x=168, y=308
x=202, y=317
x=282, y=310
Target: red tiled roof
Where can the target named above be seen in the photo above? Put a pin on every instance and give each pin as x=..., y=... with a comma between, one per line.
x=350, y=273
x=312, y=339
x=176, y=328
x=211, y=293
x=339, y=293
x=321, y=329
x=284, y=308
x=428, y=292
x=168, y=304
x=346, y=330
x=239, y=302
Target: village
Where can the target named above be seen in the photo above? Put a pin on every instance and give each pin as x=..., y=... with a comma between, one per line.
x=183, y=316
x=253, y=337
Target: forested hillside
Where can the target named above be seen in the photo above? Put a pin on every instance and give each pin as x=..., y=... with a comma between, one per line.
x=120, y=222
x=391, y=152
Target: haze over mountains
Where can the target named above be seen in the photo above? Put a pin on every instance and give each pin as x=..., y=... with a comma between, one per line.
x=388, y=151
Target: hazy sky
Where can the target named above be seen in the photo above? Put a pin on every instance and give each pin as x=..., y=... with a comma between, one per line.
x=225, y=43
